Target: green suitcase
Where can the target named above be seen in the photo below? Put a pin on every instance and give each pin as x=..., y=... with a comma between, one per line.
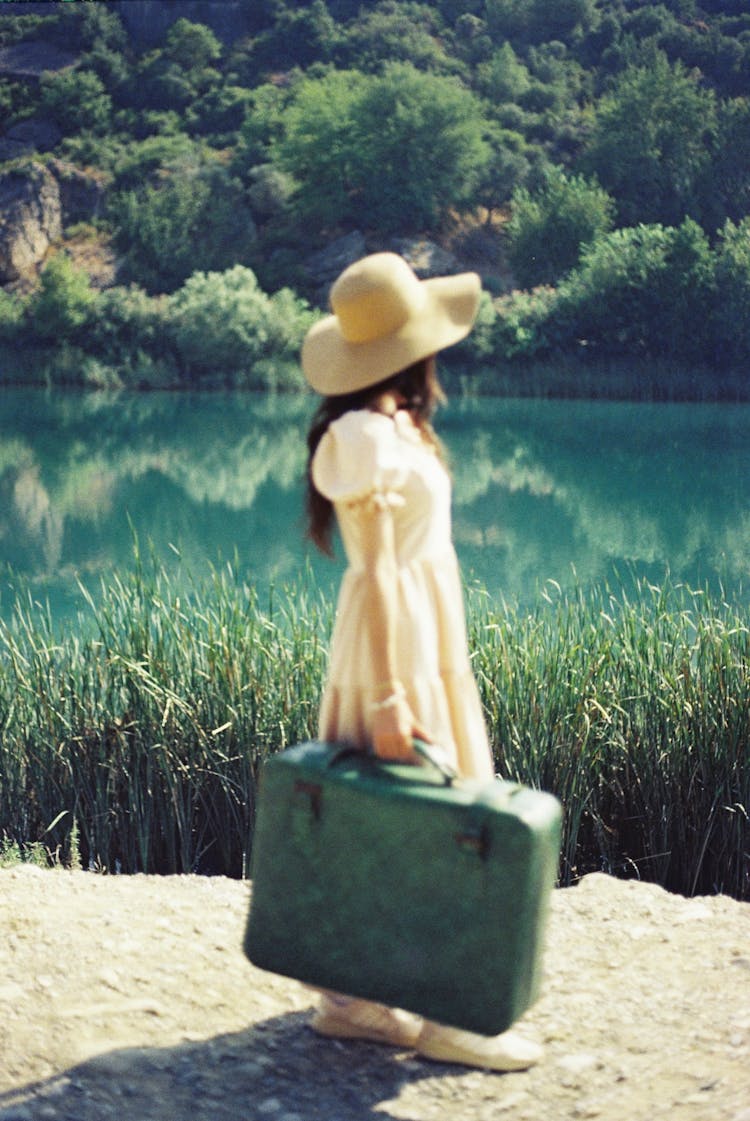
x=395, y=883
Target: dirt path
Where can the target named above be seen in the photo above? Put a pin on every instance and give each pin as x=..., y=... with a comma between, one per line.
x=129, y=998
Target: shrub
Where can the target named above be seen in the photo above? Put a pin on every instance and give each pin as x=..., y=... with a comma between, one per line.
x=644, y=288
x=222, y=324
x=196, y=218
x=732, y=307
x=62, y=304
x=77, y=101
x=549, y=226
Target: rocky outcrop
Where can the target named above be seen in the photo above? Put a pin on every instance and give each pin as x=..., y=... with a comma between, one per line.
x=81, y=192
x=30, y=219
x=324, y=266
x=31, y=135
x=425, y=257
x=29, y=60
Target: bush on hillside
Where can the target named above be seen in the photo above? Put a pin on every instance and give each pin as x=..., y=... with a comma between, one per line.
x=551, y=225
x=195, y=218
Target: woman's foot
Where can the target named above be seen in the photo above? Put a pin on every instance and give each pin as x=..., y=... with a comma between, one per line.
x=350, y=1018
x=505, y=1052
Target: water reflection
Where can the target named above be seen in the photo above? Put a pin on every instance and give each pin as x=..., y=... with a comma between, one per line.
x=568, y=491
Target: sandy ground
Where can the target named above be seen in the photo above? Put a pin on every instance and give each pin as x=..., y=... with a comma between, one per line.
x=130, y=998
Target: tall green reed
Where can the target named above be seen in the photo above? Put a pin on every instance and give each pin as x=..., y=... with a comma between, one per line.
x=146, y=728
x=137, y=739
x=634, y=708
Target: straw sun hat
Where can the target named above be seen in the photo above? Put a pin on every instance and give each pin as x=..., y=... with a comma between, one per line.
x=385, y=319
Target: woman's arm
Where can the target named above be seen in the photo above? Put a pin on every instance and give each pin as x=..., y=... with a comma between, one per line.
x=393, y=723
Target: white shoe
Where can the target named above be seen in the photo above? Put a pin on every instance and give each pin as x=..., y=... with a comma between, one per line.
x=350, y=1018
x=505, y=1052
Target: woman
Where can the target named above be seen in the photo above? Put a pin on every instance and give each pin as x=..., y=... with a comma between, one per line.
x=399, y=665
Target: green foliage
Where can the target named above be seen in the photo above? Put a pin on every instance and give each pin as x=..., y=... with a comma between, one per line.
x=503, y=77
x=397, y=117
x=539, y=20
x=633, y=709
x=641, y=290
x=731, y=318
x=172, y=76
x=650, y=142
x=151, y=731
x=395, y=150
x=262, y=127
x=222, y=324
x=550, y=226
x=644, y=288
x=101, y=27
x=154, y=157
x=396, y=31
x=11, y=313
x=76, y=100
x=725, y=187
x=127, y=324
x=61, y=305
x=219, y=112
x=299, y=36
x=194, y=218
x=191, y=46
x=523, y=328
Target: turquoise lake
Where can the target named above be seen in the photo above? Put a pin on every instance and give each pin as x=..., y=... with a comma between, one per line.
x=573, y=492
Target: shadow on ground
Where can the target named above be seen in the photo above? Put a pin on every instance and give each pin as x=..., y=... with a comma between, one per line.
x=276, y=1070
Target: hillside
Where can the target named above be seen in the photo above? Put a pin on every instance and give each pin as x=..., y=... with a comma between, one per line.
x=537, y=142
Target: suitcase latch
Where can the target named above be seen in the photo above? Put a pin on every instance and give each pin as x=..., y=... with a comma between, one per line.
x=475, y=840
x=314, y=792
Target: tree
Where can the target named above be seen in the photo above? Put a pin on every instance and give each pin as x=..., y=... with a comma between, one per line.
x=725, y=186
x=76, y=100
x=646, y=289
x=732, y=314
x=191, y=46
x=396, y=30
x=195, y=218
x=549, y=227
x=394, y=150
x=60, y=306
x=421, y=148
x=173, y=76
x=504, y=77
x=316, y=146
x=651, y=140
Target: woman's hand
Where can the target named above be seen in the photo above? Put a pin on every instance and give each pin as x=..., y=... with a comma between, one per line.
x=394, y=730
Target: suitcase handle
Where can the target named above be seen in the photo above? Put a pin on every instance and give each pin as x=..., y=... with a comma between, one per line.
x=437, y=758
x=430, y=752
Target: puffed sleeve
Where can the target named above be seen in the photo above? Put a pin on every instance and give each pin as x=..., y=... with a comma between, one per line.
x=359, y=460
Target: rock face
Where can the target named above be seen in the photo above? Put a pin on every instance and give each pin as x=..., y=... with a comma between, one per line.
x=81, y=192
x=324, y=266
x=31, y=135
x=30, y=219
x=425, y=257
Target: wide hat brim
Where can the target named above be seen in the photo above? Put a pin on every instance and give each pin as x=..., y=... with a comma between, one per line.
x=334, y=365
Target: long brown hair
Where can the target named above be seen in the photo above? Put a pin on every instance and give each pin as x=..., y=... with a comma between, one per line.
x=420, y=387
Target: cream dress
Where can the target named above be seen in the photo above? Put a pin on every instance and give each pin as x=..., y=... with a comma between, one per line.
x=368, y=457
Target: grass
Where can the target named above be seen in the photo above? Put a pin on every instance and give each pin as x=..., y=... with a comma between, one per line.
x=635, y=711
x=136, y=742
